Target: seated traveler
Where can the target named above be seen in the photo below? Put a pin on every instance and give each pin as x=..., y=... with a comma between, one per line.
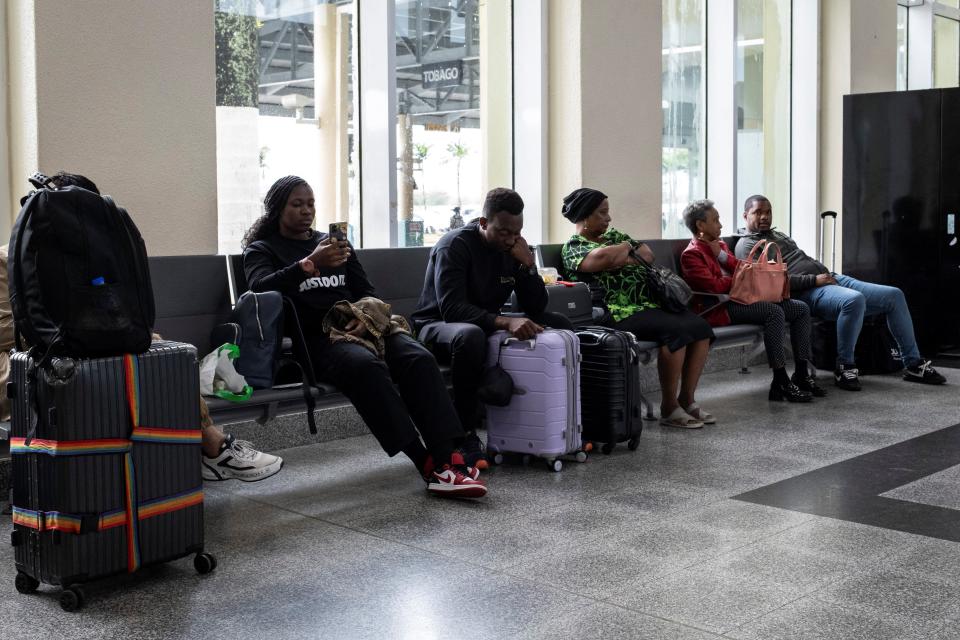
x=708, y=265
x=283, y=253
x=470, y=275
x=838, y=297
x=608, y=259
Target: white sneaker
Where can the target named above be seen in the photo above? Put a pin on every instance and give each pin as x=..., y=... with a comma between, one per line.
x=238, y=459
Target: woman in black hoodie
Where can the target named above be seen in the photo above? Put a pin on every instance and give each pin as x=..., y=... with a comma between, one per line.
x=284, y=253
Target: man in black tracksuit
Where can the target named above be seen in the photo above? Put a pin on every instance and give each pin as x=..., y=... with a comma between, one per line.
x=470, y=275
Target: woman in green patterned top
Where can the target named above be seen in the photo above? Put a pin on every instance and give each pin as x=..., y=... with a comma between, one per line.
x=606, y=259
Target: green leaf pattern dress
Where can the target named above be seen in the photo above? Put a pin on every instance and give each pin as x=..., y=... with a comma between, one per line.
x=624, y=289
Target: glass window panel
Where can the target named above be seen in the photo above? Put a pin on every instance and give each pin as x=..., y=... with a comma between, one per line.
x=442, y=141
x=946, y=52
x=684, y=107
x=284, y=67
x=950, y=3
x=901, y=48
x=762, y=97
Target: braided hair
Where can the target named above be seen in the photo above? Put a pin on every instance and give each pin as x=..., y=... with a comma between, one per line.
x=273, y=205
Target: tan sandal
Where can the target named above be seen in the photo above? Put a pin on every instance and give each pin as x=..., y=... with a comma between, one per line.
x=681, y=419
x=699, y=414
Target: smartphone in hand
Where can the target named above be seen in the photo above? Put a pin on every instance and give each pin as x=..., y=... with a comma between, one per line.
x=338, y=231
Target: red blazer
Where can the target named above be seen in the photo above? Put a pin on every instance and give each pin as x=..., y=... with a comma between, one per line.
x=701, y=270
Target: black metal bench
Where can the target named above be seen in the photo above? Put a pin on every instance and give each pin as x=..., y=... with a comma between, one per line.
x=194, y=294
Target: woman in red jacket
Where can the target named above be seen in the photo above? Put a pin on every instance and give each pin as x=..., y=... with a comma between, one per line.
x=708, y=264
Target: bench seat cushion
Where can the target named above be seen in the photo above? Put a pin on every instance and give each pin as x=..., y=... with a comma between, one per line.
x=736, y=333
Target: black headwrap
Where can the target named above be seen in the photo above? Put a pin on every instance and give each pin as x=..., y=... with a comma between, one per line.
x=579, y=204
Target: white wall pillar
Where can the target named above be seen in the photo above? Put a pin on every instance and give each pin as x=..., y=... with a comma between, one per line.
x=605, y=110
x=377, y=118
x=21, y=104
x=564, y=160
x=326, y=108
x=5, y=195
x=531, y=66
x=721, y=109
x=805, y=124
x=496, y=94
x=125, y=94
x=920, y=46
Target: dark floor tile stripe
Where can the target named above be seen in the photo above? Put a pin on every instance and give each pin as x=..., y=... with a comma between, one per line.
x=850, y=490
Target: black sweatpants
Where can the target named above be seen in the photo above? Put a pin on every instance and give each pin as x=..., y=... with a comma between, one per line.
x=774, y=316
x=394, y=414
x=463, y=346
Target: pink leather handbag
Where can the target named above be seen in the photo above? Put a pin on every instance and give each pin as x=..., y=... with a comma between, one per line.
x=760, y=280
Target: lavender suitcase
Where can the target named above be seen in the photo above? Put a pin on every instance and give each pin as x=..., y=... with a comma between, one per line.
x=543, y=417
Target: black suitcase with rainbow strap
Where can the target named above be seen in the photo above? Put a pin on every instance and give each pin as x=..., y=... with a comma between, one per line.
x=106, y=466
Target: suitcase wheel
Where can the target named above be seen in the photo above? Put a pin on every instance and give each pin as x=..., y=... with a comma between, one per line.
x=633, y=444
x=607, y=448
x=498, y=458
x=204, y=563
x=25, y=583
x=581, y=456
x=71, y=599
x=556, y=465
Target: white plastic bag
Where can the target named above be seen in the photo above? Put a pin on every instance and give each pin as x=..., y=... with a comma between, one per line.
x=218, y=378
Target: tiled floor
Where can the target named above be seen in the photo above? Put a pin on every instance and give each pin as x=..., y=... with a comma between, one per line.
x=344, y=543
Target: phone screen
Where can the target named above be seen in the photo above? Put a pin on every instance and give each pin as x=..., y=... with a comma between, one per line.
x=338, y=230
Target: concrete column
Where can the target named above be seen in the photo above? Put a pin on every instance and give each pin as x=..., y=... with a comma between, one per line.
x=565, y=122
x=5, y=194
x=859, y=50
x=21, y=104
x=777, y=106
x=606, y=111
x=122, y=92
x=326, y=109
x=496, y=102
x=344, y=45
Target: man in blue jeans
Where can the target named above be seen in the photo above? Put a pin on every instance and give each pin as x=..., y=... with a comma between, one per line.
x=841, y=298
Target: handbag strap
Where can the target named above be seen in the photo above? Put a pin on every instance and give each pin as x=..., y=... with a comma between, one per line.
x=753, y=256
x=764, y=257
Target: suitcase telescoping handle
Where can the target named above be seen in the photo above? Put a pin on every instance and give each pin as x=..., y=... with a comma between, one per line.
x=531, y=343
x=833, y=236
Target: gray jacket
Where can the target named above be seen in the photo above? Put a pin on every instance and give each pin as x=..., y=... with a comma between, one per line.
x=802, y=268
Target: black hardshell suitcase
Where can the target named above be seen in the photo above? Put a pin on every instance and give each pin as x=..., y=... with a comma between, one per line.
x=97, y=444
x=610, y=387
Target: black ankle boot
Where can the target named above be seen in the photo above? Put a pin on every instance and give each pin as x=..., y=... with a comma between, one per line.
x=788, y=391
x=809, y=383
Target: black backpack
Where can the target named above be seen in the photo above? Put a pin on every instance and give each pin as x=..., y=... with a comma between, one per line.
x=79, y=277
x=257, y=326
x=258, y=318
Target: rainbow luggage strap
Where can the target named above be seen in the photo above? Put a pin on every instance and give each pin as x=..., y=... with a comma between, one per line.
x=133, y=510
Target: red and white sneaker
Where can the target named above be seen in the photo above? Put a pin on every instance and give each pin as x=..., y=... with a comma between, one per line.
x=450, y=482
x=456, y=460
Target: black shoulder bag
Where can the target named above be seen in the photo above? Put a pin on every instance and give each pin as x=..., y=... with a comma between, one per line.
x=666, y=287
